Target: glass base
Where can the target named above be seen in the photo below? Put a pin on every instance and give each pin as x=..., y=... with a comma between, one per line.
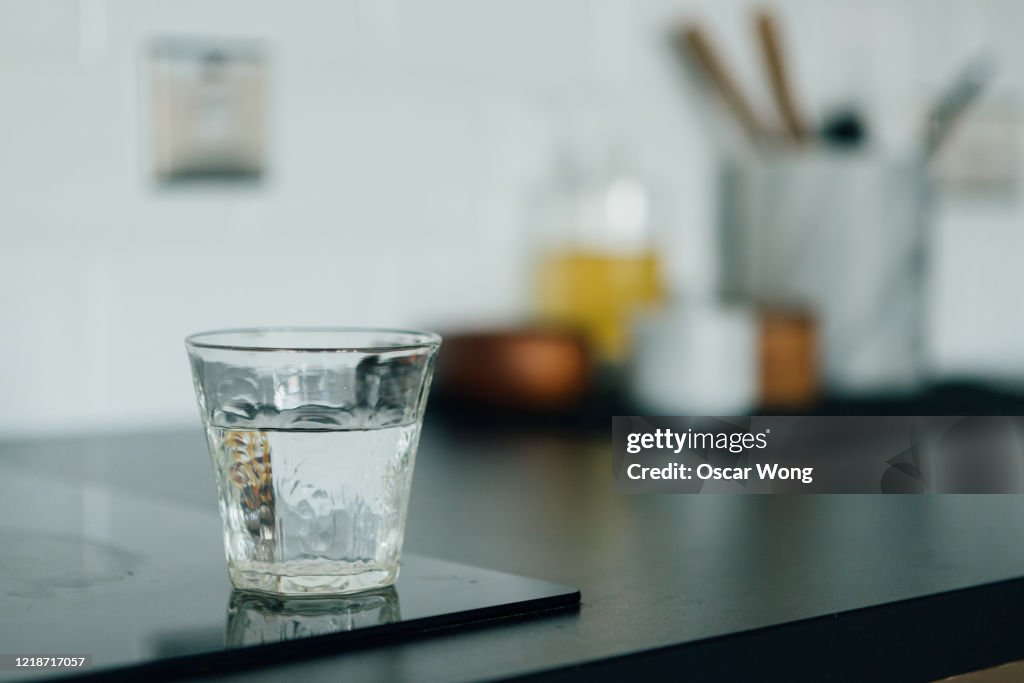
x=311, y=585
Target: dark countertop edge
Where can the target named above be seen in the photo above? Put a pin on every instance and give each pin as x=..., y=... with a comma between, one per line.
x=924, y=638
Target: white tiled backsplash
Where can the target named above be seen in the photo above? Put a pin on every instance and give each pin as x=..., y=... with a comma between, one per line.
x=407, y=139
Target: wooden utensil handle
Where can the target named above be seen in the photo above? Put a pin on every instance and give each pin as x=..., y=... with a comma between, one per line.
x=694, y=40
x=771, y=50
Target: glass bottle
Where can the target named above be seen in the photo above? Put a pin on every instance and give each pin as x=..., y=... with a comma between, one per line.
x=598, y=265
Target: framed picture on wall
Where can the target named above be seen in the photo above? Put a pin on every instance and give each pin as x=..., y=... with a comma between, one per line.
x=208, y=110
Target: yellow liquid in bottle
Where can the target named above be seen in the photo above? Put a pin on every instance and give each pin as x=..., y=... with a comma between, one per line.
x=599, y=293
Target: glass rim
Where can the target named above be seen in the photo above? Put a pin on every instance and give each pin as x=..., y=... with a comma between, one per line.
x=405, y=340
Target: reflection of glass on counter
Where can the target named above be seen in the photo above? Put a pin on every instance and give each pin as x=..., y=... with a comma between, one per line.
x=598, y=264
x=256, y=619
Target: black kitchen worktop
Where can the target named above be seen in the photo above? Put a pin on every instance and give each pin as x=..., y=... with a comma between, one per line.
x=658, y=574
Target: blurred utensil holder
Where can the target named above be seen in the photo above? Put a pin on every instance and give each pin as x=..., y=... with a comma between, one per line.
x=843, y=235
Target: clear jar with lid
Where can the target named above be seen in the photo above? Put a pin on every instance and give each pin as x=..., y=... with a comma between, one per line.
x=598, y=263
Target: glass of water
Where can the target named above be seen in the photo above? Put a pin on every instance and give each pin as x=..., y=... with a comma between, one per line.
x=313, y=435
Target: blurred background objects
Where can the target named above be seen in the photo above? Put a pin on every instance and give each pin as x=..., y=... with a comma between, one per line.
x=805, y=199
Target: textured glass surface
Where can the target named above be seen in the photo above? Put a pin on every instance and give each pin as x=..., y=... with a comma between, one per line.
x=313, y=447
x=253, y=619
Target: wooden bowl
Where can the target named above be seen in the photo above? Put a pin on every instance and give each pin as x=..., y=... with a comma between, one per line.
x=529, y=369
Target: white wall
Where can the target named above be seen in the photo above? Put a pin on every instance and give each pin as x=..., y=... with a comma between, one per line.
x=407, y=139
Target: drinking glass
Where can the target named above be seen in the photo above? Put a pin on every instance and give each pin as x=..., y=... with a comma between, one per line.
x=313, y=435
